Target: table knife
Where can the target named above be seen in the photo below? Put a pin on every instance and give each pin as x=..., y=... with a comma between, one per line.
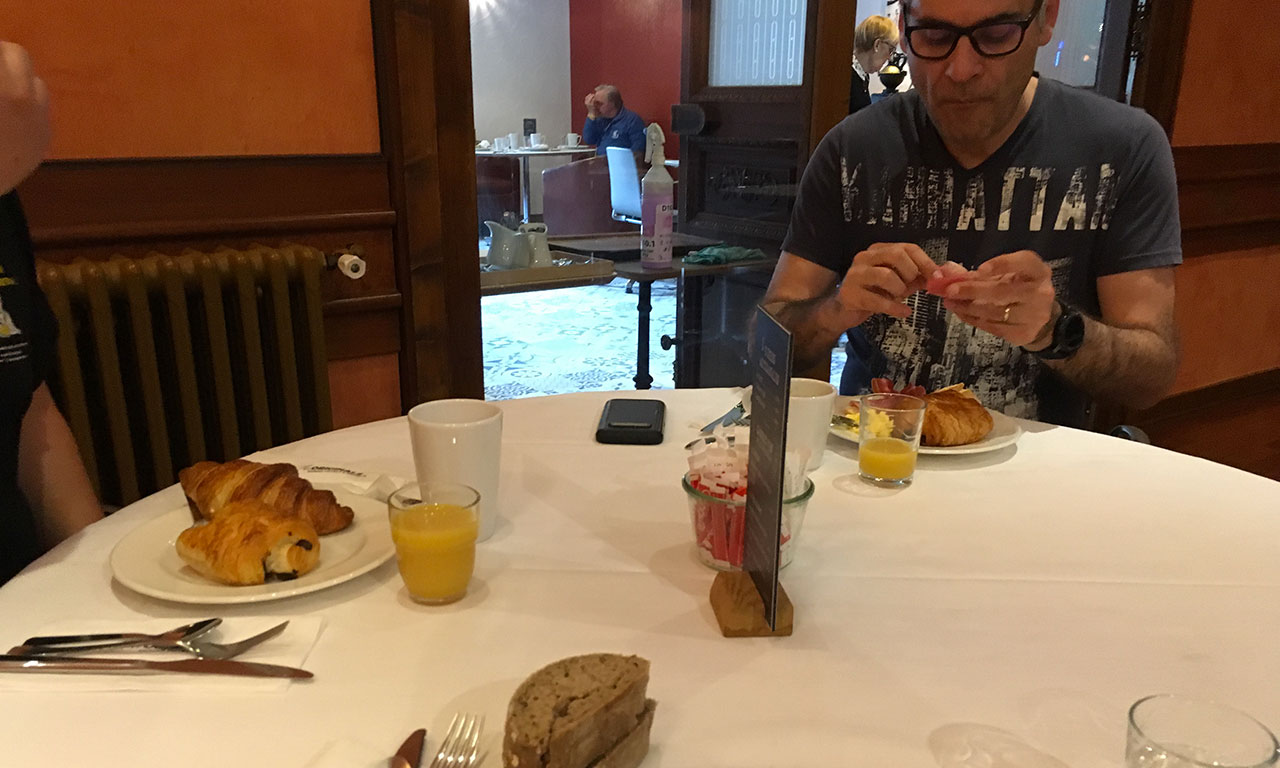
x=78, y=665
x=409, y=755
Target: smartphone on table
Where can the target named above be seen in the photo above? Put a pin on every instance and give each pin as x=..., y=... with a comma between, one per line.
x=632, y=421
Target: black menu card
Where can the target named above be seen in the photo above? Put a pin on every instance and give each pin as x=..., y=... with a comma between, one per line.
x=770, y=394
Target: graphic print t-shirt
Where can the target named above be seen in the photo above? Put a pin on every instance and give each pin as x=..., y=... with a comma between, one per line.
x=1086, y=183
x=27, y=332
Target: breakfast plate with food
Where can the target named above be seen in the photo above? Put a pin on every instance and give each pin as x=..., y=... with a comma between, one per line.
x=954, y=421
x=249, y=533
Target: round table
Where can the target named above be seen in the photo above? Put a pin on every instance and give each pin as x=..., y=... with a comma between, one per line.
x=1004, y=610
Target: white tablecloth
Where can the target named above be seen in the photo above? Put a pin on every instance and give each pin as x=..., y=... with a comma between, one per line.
x=1004, y=610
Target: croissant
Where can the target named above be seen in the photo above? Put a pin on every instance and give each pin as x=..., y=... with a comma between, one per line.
x=247, y=542
x=211, y=486
x=954, y=416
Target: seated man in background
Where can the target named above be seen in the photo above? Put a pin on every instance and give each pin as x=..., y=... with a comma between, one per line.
x=1059, y=208
x=45, y=494
x=610, y=124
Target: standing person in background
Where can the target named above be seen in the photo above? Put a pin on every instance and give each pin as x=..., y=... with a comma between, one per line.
x=610, y=124
x=874, y=42
x=45, y=494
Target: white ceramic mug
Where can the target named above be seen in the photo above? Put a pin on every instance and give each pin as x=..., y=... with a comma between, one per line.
x=514, y=138
x=572, y=140
x=808, y=417
x=535, y=139
x=460, y=441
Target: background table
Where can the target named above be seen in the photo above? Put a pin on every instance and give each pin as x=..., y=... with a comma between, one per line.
x=689, y=319
x=1005, y=610
x=525, y=155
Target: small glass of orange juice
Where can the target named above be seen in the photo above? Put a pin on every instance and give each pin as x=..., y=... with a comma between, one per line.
x=889, y=438
x=434, y=527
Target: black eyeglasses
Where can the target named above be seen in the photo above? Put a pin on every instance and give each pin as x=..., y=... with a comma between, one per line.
x=936, y=41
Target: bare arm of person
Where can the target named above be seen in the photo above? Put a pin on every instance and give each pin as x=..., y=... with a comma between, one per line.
x=51, y=474
x=1130, y=354
x=805, y=298
x=24, y=116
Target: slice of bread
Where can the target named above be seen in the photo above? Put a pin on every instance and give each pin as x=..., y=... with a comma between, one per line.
x=576, y=711
x=630, y=752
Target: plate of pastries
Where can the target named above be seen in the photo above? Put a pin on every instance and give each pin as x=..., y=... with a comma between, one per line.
x=954, y=421
x=251, y=532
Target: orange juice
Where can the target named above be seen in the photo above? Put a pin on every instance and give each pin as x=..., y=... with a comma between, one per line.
x=887, y=458
x=435, y=549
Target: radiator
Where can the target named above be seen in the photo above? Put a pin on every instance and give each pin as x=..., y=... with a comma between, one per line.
x=165, y=361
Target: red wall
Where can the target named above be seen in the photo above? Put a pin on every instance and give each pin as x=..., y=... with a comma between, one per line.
x=633, y=44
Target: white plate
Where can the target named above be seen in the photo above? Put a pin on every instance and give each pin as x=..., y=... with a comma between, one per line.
x=1004, y=432
x=145, y=559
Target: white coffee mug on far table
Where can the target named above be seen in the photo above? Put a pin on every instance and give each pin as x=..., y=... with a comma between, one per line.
x=514, y=138
x=460, y=441
x=572, y=140
x=535, y=139
x=808, y=417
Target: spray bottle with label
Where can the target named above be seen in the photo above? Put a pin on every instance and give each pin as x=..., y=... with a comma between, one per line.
x=657, y=205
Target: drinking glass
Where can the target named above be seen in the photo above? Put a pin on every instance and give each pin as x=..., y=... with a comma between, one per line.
x=1167, y=731
x=434, y=527
x=889, y=438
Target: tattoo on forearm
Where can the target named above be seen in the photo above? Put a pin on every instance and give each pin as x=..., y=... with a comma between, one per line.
x=801, y=317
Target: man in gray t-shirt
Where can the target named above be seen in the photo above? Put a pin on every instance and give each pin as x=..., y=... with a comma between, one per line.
x=1062, y=206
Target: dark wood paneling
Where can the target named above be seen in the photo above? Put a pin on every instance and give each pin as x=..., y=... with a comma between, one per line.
x=1229, y=186
x=176, y=192
x=1157, y=80
x=363, y=333
x=423, y=56
x=366, y=389
x=1233, y=423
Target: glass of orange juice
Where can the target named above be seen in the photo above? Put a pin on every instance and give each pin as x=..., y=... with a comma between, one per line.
x=434, y=527
x=889, y=438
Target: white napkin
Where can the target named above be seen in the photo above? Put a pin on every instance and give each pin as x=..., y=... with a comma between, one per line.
x=350, y=754
x=290, y=648
x=351, y=481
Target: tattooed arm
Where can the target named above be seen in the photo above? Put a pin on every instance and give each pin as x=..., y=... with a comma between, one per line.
x=804, y=296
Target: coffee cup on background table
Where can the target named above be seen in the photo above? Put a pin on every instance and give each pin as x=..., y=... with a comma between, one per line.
x=460, y=441
x=572, y=140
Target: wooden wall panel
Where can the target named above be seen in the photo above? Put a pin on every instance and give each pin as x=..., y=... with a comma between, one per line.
x=158, y=78
x=1228, y=316
x=365, y=389
x=1228, y=92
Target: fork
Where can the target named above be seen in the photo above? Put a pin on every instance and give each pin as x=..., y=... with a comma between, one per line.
x=461, y=745
x=199, y=648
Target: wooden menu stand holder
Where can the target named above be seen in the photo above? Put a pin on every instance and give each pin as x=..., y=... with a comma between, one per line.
x=740, y=611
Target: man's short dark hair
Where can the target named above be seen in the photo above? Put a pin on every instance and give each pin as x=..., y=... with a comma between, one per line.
x=611, y=93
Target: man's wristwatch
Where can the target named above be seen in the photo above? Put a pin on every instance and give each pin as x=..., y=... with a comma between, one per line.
x=1068, y=335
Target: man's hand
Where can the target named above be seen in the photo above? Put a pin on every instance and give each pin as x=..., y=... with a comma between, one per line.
x=881, y=278
x=590, y=102
x=1010, y=296
x=24, y=116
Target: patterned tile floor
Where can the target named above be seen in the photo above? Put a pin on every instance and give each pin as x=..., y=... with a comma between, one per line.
x=576, y=340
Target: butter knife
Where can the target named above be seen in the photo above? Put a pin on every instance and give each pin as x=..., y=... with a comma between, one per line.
x=409, y=755
x=78, y=665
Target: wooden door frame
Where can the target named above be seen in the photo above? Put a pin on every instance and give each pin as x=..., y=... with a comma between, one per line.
x=422, y=59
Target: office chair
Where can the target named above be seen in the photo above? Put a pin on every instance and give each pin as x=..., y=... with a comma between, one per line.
x=624, y=185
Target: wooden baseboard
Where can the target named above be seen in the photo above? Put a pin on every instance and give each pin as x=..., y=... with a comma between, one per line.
x=1232, y=423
